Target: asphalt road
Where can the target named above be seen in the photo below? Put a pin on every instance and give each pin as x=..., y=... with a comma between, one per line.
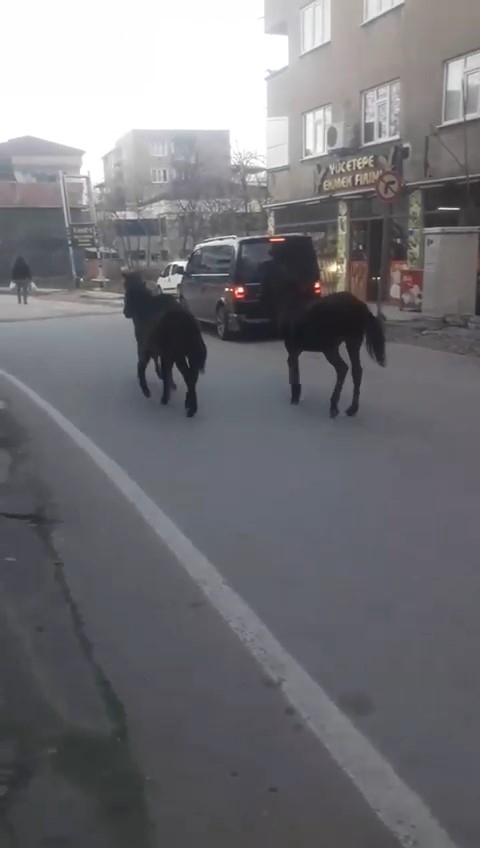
x=355, y=542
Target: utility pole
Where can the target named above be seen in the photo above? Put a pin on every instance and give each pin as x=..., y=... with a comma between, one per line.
x=68, y=228
x=388, y=188
x=466, y=154
x=384, y=281
x=93, y=215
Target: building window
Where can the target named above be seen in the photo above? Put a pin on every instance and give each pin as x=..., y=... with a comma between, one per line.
x=315, y=125
x=374, y=8
x=462, y=88
x=381, y=113
x=315, y=24
x=158, y=148
x=159, y=175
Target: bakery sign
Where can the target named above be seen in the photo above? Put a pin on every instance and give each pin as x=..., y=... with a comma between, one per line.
x=352, y=174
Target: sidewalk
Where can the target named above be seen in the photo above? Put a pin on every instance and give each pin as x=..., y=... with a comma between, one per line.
x=67, y=776
x=56, y=306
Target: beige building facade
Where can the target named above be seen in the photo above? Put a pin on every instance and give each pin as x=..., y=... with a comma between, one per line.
x=372, y=85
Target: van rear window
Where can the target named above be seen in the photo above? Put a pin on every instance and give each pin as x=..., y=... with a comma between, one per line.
x=296, y=254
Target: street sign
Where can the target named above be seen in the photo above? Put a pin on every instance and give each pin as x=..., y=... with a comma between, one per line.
x=83, y=235
x=388, y=186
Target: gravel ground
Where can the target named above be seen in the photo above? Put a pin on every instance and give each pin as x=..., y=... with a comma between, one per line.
x=461, y=340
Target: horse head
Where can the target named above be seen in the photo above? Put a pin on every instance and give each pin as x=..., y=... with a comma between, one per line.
x=136, y=293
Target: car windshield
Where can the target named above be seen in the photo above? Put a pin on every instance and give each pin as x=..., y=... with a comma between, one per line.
x=294, y=254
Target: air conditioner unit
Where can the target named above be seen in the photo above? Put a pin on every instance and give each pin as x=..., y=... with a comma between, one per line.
x=336, y=136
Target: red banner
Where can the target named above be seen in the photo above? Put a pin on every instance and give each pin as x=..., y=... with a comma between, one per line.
x=411, y=290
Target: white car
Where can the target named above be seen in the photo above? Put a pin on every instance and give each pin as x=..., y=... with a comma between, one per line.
x=171, y=277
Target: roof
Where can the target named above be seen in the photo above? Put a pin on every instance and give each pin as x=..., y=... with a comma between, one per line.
x=30, y=145
x=173, y=131
x=264, y=236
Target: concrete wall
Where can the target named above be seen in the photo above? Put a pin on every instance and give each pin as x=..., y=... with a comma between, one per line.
x=450, y=277
x=411, y=42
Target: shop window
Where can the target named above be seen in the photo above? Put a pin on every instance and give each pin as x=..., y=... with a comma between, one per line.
x=315, y=24
x=325, y=241
x=462, y=88
x=381, y=113
x=315, y=125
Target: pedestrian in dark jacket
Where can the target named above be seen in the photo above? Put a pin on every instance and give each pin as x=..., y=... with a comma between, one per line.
x=22, y=278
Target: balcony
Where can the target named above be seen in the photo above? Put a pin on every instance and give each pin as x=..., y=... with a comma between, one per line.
x=276, y=12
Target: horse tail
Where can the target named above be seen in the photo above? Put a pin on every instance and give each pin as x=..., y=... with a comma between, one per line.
x=375, y=337
x=197, y=355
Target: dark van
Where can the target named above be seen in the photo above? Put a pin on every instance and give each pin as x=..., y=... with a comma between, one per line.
x=223, y=283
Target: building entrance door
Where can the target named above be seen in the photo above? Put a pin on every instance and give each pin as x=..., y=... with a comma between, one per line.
x=366, y=258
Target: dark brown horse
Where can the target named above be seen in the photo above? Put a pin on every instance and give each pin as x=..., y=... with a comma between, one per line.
x=322, y=326
x=168, y=333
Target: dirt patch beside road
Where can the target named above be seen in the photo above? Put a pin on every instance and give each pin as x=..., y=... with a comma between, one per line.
x=462, y=340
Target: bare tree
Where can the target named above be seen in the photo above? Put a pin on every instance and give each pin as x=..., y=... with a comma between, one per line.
x=208, y=205
x=248, y=170
x=126, y=222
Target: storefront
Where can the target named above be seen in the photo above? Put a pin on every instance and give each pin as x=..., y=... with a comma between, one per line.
x=346, y=224
x=320, y=220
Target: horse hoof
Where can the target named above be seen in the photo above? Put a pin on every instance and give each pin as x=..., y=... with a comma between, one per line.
x=351, y=411
x=333, y=413
x=147, y=393
x=164, y=401
x=296, y=395
x=191, y=413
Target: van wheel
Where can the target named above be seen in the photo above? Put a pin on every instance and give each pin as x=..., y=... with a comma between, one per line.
x=223, y=332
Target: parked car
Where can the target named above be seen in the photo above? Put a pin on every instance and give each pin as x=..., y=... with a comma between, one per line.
x=224, y=280
x=170, y=278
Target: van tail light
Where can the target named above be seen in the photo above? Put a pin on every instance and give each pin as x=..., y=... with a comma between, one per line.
x=239, y=292
x=317, y=287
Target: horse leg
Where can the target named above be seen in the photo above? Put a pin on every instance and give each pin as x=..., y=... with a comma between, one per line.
x=353, y=347
x=294, y=377
x=341, y=368
x=167, y=367
x=158, y=370
x=190, y=375
x=143, y=361
x=191, y=401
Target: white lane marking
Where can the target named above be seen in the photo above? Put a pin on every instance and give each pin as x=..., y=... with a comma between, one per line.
x=401, y=810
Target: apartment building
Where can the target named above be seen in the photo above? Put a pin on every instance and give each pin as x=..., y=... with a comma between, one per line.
x=148, y=174
x=372, y=84
x=146, y=164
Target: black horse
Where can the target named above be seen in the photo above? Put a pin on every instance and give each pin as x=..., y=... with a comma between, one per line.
x=322, y=326
x=146, y=312
x=165, y=332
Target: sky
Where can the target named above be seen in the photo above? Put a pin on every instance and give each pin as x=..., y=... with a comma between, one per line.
x=85, y=73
